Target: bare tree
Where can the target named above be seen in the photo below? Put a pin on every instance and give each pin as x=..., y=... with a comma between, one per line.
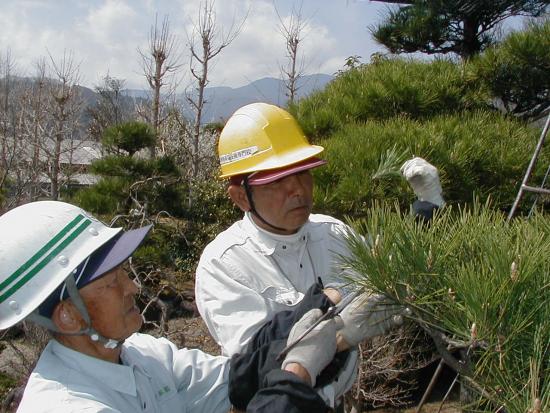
x=206, y=41
x=17, y=170
x=159, y=61
x=292, y=31
x=35, y=105
x=112, y=107
x=22, y=115
x=11, y=148
x=39, y=126
x=64, y=109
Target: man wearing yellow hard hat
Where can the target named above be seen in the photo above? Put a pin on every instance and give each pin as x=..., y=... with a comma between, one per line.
x=261, y=274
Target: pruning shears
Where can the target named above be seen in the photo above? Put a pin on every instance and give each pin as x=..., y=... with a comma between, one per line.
x=332, y=312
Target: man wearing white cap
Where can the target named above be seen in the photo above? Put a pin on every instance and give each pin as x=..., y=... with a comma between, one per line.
x=63, y=269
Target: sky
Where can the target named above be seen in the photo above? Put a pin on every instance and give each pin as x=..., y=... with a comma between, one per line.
x=103, y=36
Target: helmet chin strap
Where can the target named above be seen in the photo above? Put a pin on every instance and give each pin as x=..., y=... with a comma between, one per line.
x=72, y=289
x=253, y=210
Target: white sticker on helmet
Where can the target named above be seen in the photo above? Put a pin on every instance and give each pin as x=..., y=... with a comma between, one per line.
x=238, y=155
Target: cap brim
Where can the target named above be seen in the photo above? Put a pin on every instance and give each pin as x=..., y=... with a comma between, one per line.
x=266, y=177
x=112, y=254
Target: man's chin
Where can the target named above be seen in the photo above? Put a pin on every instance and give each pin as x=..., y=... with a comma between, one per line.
x=134, y=324
x=299, y=217
x=300, y=214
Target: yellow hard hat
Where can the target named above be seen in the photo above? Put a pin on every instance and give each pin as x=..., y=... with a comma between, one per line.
x=260, y=137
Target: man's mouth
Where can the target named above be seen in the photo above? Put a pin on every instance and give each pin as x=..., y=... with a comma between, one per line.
x=299, y=207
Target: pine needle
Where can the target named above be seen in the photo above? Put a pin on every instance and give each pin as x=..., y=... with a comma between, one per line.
x=389, y=164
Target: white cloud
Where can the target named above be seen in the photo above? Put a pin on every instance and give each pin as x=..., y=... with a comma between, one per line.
x=108, y=24
x=107, y=37
x=259, y=50
x=104, y=35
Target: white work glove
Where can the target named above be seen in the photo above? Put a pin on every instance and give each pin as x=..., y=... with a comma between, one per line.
x=367, y=316
x=316, y=350
x=424, y=180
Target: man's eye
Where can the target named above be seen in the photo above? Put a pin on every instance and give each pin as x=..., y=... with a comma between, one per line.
x=111, y=283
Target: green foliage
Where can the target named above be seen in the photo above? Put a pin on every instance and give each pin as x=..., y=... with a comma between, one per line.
x=7, y=383
x=413, y=28
x=130, y=137
x=163, y=245
x=214, y=204
x=212, y=213
x=391, y=87
x=106, y=197
x=476, y=153
x=2, y=197
x=128, y=181
x=476, y=279
x=4, y=189
x=517, y=71
x=123, y=166
x=124, y=177
x=463, y=27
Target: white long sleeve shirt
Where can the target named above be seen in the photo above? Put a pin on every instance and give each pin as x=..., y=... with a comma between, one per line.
x=154, y=376
x=246, y=275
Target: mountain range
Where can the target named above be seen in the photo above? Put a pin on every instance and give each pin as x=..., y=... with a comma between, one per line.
x=222, y=101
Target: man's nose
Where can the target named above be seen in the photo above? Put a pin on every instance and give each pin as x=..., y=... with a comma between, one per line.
x=130, y=286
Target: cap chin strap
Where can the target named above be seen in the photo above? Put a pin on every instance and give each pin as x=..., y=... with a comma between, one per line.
x=253, y=210
x=72, y=289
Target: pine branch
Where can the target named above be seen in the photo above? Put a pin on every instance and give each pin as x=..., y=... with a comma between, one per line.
x=473, y=281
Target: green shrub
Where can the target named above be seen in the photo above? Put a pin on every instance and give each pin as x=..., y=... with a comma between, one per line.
x=476, y=153
x=475, y=278
x=387, y=88
x=211, y=213
x=213, y=204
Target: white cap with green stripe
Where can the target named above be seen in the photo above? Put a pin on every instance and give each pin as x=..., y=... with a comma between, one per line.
x=41, y=244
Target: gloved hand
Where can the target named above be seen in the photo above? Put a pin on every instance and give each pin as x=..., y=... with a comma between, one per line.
x=367, y=316
x=315, y=351
x=424, y=180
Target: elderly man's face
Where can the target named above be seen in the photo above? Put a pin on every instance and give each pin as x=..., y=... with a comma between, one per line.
x=111, y=304
x=285, y=203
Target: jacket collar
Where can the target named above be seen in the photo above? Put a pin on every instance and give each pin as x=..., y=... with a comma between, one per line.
x=118, y=377
x=267, y=241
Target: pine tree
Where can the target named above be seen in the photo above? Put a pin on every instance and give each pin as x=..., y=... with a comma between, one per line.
x=517, y=71
x=128, y=181
x=463, y=27
x=473, y=282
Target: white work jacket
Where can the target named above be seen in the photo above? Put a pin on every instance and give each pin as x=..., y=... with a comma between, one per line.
x=154, y=376
x=246, y=275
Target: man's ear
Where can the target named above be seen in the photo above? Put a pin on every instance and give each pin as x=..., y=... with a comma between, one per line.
x=66, y=317
x=237, y=194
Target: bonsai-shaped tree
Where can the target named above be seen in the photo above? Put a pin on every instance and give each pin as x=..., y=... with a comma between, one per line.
x=129, y=182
